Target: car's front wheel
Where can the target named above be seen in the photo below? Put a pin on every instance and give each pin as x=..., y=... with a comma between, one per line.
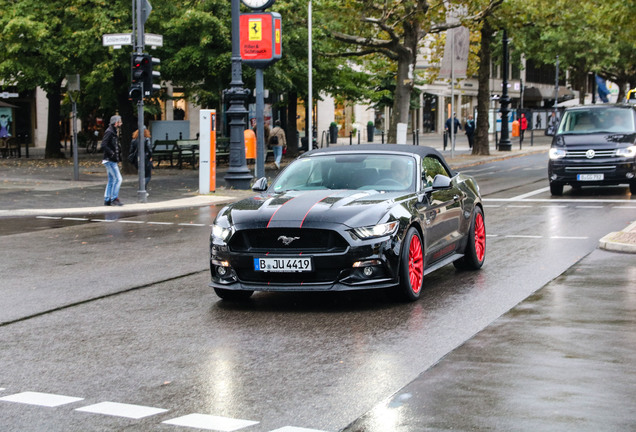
x=411, y=266
x=556, y=188
x=475, y=252
x=233, y=295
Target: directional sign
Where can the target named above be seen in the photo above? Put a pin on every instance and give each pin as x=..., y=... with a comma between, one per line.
x=154, y=40
x=117, y=39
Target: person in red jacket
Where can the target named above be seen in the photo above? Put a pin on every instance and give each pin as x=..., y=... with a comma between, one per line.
x=523, y=125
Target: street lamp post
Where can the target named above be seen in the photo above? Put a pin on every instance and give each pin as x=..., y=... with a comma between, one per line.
x=238, y=175
x=504, y=142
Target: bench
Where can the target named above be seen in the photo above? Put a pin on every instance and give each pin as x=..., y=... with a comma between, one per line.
x=165, y=150
x=188, y=152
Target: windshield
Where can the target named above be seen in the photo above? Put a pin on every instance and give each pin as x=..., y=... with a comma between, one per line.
x=379, y=172
x=581, y=121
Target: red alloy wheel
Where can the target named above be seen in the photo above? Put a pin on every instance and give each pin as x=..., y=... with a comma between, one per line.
x=416, y=264
x=480, y=237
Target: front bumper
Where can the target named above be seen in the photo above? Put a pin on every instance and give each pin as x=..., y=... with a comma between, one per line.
x=614, y=171
x=358, y=267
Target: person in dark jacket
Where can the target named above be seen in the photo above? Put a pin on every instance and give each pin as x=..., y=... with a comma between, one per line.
x=470, y=131
x=134, y=145
x=447, y=130
x=112, y=156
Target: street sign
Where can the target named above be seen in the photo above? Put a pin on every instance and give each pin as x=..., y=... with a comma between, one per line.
x=154, y=40
x=117, y=39
x=260, y=38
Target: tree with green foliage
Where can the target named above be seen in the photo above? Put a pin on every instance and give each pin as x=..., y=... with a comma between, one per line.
x=395, y=30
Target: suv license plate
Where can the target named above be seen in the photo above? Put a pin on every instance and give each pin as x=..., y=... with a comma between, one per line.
x=283, y=264
x=590, y=177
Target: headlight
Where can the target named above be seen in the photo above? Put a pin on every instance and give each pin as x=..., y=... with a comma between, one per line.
x=556, y=153
x=376, y=230
x=221, y=232
x=626, y=152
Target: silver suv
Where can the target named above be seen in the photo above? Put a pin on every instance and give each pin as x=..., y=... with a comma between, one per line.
x=594, y=145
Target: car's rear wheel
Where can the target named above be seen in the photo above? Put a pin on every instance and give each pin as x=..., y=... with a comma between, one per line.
x=632, y=188
x=411, y=266
x=475, y=252
x=233, y=295
x=556, y=188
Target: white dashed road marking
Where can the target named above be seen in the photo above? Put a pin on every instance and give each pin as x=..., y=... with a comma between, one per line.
x=40, y=399
x=210, y=422
x=296, y=429
x=122, y=410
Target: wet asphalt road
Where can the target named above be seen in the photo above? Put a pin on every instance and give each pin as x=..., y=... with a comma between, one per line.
x=120, y=311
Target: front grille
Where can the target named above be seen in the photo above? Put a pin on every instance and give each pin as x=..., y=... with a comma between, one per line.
x=597, y=168
x=582, y=154
x=272, y=240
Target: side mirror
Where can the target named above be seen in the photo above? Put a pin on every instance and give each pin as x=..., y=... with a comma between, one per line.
x=441, y=182
x=260, y=185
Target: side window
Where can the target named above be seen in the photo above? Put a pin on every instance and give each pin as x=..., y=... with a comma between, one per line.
x=431, y=166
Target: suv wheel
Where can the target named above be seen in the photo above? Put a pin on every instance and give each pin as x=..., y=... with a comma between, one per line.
x=632, y=187
x=556, y=188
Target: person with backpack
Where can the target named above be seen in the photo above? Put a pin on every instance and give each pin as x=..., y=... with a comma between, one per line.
x=133, y=156
x=112, y=156
x=277, y=142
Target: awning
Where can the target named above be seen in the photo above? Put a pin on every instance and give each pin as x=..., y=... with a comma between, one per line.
x=7, y=105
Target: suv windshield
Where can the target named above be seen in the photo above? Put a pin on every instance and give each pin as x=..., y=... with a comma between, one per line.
x=585, y=121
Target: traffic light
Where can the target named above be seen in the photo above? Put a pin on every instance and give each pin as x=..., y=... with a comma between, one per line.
x=139, y=66
x=150, y=88
x=135, y=94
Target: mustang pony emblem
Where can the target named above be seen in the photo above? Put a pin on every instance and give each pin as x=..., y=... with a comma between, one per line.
x=287, y=240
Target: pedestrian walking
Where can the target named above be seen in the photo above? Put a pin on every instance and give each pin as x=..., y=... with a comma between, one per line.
x=277, y=142
x=469, y=127
x=523, y=125
x=134, y=157
x=447, y=129
x=112, y=156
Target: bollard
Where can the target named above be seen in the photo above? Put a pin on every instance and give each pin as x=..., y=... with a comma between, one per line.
x=383, y=137
x=350, y=138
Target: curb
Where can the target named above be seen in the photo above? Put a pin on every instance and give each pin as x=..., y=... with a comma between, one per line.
x=622, y=241
x=196, y=201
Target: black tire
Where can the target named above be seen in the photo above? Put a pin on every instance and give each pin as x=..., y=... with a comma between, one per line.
x=632, y=188
x=233, y=295
x=475, y=252
x=411, y=267
x=556, y=189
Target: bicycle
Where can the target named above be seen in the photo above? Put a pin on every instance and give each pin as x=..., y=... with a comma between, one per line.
x=91, y=146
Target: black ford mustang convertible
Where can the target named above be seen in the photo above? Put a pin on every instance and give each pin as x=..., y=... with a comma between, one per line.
x=348, y=218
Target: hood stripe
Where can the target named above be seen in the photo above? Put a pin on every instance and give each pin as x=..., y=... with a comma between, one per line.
x=311, y=208
x=302, y=204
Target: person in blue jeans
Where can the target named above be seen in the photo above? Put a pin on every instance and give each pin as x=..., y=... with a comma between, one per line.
x=112, y=156
x=277, y=142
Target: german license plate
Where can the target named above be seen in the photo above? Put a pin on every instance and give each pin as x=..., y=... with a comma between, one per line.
x=283, y=264
x=589, y=177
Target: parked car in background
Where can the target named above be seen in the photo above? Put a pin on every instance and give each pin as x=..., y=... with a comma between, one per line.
x=350, y=218
x=594, y=145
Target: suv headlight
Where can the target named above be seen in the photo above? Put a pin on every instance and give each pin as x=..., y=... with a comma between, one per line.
x=556, y=153
x=221, y=233
x=379, y=230
x=626, y=152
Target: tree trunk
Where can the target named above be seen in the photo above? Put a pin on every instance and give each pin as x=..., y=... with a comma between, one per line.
x=403, y=89
x=53, y=149
x=482, y=146
x=290, y=127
